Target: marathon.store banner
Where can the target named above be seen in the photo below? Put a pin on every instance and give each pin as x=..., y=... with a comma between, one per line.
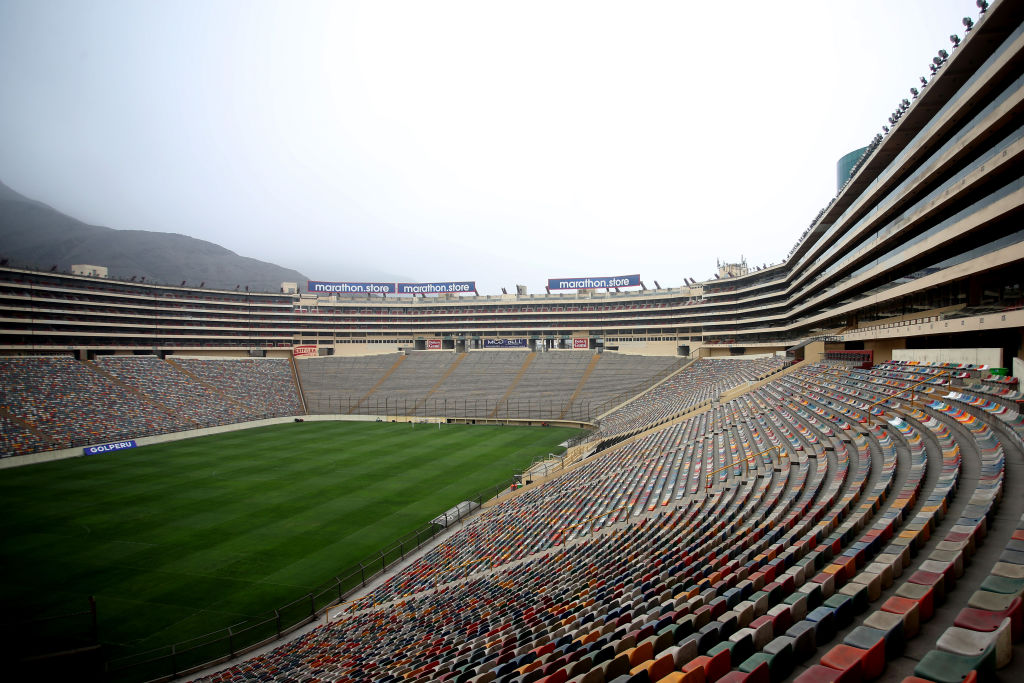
x=108, y=447
x=436, y=287
x=304, y=350
x=321, y=287
x=594, y=282
x=505, y=343
x=351, y=287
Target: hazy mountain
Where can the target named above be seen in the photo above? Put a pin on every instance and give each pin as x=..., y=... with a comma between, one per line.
x=36, y=235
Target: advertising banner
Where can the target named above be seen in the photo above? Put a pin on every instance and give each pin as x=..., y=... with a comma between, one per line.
x=594, y=282
x=108, y=447
x=436, y=287
x=350, y=287
x=580, y=343
x=321, y=287
x=304, y=350
x=433, y=344
x=520, y=343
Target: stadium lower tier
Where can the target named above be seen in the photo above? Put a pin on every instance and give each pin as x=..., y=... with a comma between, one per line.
x=55, y=402
x=833, y=524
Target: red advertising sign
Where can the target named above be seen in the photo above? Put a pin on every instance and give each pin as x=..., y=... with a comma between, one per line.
x=433, y=344
x=305, y=350
x=580, y=343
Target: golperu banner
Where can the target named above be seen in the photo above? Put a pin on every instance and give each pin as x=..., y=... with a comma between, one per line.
x=433, y=344
x=107, y=447
x=437, y=287
x=580, y=343
x=305, y=350
x=350, y=287
x=594, y=282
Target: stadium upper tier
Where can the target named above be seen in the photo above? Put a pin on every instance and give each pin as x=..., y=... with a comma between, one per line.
x=927, y=227
x=930, y=221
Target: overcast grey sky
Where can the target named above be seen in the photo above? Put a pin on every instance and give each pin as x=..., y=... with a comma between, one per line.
x=502, y=142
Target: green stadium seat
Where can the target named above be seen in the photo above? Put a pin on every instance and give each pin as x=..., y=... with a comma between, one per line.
x=843, y=607
x=1002, y=584
x=947, y=667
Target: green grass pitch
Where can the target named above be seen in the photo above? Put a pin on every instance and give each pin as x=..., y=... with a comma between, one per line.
x=179, y=539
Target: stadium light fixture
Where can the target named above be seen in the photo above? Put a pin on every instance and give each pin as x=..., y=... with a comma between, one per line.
x=943, y=55
x=955, y=39
x=982, y=5
x=968, y=24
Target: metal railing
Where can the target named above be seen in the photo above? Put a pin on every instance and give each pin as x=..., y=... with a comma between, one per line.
x=452, y=408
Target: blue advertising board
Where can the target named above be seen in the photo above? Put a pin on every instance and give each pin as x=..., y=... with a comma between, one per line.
x=108, y=447
x=505, y=343
x=594, y=282
x=350, y=287
x=319, y=286
x=436, y=287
